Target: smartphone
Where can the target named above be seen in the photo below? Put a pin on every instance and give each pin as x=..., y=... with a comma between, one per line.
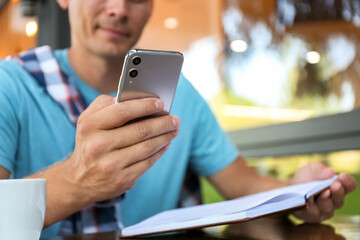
x=150, y=73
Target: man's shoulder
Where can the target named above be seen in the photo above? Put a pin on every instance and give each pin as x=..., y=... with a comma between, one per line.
x=20, y=67
x=13, y=76
x=185, y=89
x=18, y=62
x=10, y=71
x=9, y=66
x=188, y=104
x=187, y=94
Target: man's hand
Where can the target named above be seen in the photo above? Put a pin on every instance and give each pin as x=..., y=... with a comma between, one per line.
x=109, y=156
x=324, y=205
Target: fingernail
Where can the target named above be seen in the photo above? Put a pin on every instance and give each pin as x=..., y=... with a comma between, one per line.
x=336, y=186
x=176, y=121
x=345, y=177
x=159, y=104
x=176, y=132
x=326, y=194
x=167, y=146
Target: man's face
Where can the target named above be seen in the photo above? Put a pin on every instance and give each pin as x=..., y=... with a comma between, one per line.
x=108, y=28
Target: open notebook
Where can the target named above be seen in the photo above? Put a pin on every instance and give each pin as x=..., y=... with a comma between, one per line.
x=236, y=210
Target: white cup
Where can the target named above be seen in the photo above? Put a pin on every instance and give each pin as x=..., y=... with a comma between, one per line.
x=22, y=208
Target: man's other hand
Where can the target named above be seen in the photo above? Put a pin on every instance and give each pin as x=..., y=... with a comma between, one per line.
x=322, y=207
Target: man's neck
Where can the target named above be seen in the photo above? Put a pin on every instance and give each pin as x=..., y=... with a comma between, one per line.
x=101, y=74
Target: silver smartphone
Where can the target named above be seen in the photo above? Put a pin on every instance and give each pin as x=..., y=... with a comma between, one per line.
x=150, y=73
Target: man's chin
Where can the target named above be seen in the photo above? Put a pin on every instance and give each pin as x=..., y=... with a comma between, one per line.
x=113, y=52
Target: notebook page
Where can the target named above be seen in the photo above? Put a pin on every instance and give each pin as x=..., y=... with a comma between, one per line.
x=210, y=210
x=219, y=210
x=283, y=202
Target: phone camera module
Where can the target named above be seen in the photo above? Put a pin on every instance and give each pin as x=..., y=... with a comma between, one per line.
x=136, y=60
x=133, y=73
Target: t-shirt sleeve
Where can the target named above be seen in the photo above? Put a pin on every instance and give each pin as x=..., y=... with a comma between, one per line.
x=212, y=150
x=9, y=124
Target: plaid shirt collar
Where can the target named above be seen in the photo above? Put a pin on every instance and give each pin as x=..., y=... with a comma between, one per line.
x=42, y=65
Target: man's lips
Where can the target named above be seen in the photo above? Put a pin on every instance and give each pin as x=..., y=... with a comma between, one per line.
x=115, y=32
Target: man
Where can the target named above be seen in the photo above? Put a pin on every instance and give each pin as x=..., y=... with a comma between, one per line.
x=101, y=158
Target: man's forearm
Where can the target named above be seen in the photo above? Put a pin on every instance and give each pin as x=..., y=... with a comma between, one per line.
x=262, y=183
x=63, y=195
x=238, y=179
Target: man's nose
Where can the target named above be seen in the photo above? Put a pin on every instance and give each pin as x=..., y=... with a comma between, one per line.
x=117, y=8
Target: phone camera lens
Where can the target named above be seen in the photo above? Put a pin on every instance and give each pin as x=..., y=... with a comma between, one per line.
x=133, y=73
x=136, y=60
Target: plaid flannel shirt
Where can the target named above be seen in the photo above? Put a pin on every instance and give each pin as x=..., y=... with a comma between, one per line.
x=100, y=216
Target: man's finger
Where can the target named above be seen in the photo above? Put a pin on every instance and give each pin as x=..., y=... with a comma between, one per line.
x=139, y=168
x=118, y=114
x=143, y=130
x=320, y=171
x=99, y=103
x=337, y=194
x=327, y=216
x=348, y=182
x=324, y=202
x=138, y=152
x=311, y=214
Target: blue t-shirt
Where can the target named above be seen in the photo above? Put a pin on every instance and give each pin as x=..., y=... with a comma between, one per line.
x=35, y=133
